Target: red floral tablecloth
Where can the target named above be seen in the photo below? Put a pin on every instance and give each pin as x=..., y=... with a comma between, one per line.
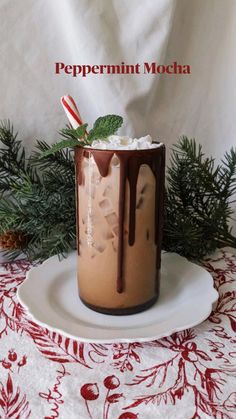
x=191, y=374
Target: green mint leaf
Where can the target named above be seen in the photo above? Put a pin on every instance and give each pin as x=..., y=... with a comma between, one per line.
x=59, y=146
x=105, y=126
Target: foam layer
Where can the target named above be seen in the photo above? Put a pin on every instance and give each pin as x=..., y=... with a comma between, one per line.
x=117, y=142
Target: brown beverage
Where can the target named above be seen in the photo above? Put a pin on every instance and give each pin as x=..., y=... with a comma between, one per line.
x=119, y=227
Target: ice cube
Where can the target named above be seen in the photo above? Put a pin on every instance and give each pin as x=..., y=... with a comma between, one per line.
x=107, y=235
x=112, y=218
x=104, y=204
x=107, y=191
x=100, y=247
x=116, y=230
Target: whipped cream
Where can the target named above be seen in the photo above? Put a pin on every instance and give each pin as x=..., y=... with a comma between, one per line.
x=118, y=142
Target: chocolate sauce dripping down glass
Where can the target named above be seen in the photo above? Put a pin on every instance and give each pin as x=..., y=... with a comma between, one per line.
x=130, y=163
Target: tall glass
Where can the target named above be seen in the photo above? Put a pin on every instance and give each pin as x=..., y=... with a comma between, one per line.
x=119, y=227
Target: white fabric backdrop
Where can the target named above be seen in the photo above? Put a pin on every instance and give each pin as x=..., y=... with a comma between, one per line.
x=34, y=34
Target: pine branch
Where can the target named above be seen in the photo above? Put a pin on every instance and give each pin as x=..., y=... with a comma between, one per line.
x=227, y=174
x=13, y=163
x=197, y=209
x=42, y=207
x=62, y=158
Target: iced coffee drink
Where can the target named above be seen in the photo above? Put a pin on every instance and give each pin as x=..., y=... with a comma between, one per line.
x=120, y=188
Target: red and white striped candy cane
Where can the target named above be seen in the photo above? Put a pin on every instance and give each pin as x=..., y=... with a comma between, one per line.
x=71, y=111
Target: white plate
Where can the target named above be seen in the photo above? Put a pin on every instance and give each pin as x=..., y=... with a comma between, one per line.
x=50, y=294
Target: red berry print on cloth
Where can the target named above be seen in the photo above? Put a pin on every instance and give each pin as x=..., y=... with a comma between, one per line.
x=111, y=382
x=12, y=355
x=10, y=362
x=89, y=392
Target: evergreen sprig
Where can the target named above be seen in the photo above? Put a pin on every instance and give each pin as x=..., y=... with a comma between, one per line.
x=13, y=163
x=198, y=201
x=37, y=197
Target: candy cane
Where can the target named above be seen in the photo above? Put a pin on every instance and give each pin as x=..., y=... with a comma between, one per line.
x=71, y=111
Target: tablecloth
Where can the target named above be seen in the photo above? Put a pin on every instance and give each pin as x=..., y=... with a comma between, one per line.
x=190, y=374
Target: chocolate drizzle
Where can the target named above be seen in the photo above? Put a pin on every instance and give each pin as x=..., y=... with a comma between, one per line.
x=130, y=163
x=103, y=161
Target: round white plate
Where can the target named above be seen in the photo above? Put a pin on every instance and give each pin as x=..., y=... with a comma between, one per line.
x=50, y=294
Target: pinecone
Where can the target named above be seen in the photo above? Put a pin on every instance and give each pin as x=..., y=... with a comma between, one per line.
x=11, y=240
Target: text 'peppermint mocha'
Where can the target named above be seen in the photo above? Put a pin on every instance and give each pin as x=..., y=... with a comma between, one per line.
x=83, y=70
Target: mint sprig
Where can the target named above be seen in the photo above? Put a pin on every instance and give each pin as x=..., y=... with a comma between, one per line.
x=102, y=128
x=105, y=126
